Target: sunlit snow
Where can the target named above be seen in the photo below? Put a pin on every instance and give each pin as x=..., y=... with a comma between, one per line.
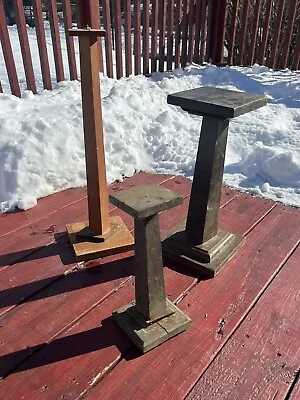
x=41, y=136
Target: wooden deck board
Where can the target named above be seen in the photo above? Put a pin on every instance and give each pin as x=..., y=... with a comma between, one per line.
x=263, y=355
x=58, y=339
x=176, y=365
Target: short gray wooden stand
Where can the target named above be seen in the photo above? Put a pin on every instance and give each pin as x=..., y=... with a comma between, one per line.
x=151, y=319
x=197, y=242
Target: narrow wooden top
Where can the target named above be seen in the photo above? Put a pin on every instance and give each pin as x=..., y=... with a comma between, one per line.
x=145, y=200
x=87, y=32
x=217, y=102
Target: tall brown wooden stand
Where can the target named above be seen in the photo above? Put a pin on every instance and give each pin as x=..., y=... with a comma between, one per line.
x=101, y=235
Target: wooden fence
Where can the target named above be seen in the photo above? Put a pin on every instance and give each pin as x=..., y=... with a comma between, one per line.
x=145, y=36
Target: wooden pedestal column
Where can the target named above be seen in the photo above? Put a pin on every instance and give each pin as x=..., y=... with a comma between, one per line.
x=100, y=235
x=152, y=318
x=197, y=242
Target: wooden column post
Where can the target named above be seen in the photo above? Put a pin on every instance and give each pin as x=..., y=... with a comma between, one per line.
x=198, y=242
x=101, y=235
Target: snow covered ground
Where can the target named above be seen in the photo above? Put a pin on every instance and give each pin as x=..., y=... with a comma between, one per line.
x=41, y=136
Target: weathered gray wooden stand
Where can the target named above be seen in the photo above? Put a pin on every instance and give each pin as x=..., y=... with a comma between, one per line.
x=151, y=319
x=197, y=242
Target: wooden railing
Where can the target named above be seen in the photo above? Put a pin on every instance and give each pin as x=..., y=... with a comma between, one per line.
x=145, y=36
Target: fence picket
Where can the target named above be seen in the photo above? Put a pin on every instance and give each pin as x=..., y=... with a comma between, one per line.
x=288, y=33
x=204, y=16
x=42, y=46
x=137, y=37
x=191, y=30
x=181, y=31
x=244, y=22
x=296, y=60
x=127, y=33
x=265, y=28
x=154, y=32
x=60, y=76
x=8, y=54
x=1, y=90
x=232, y=34
x=280, y=9
x=184, y=32
x=66, y=6
x=146, y=23
x=170, y=35
x=254, y=31
x=24, y=44
x=118, y=36
x=178, y=28
x=108, y=38
x=162, y=34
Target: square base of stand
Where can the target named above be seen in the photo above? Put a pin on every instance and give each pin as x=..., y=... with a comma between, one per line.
x=207, y=258
x=146, y=338
x=117, y=241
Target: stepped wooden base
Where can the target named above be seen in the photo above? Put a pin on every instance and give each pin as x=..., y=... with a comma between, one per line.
x=207, y=258
x=86, y=247
x=146, y=334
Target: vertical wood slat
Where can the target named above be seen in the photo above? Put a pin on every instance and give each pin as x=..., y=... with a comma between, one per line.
x=127, y=32
x=204, y=16
x=197, y=31
x=8, y=54
x=42, y=46
x=185, y=10
x=296, y=61
x=108, y=39
x=191, y=22
x=222, y=16
x=244, y=21
x=95, y=23
x=280, y=9
x=162, y=34
x=66, y=5
x=154, y=34
x=288, y=34
x=146, y=12
x=137, y=37
x=209, y=29
x=232, y=34
x=117, y=23
x=178, y=29
x=24, y=44
x=58, y=60
x=265, y=27
x=254, y=31
x=170, y=37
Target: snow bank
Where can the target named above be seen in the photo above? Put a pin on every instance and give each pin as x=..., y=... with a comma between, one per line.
x=41, y=140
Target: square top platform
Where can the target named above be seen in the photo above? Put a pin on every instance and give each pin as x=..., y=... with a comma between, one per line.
x=145, y=200
x=217, y=102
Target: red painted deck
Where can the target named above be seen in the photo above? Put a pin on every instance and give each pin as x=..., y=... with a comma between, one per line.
x=58, y=339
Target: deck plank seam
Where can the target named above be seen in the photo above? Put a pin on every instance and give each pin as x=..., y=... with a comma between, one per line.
x=62, y=236
x=250, y=308
x=66, y=327
x=291, y=388
x=177, y=301
x=262, y=218
x=66, y=272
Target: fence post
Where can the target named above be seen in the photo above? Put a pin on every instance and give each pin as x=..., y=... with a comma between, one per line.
x=8, y=54
x=88, y=14
x=217, y=31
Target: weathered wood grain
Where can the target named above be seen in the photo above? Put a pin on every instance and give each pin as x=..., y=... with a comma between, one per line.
x=263, y=356
x=175, y=366
x=96, y=357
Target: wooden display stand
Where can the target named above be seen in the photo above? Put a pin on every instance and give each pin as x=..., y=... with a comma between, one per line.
x=100, y=235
